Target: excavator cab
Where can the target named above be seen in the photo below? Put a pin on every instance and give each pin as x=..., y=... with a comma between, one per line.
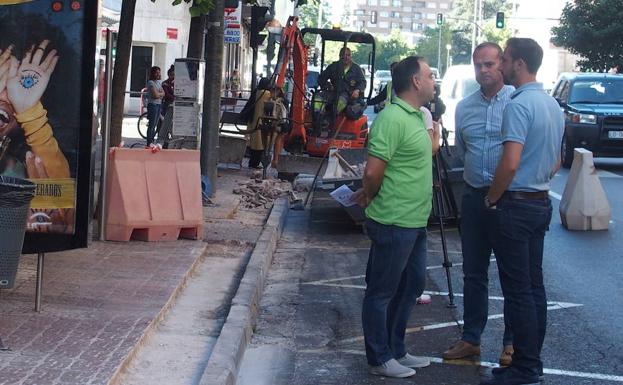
x=330, y=128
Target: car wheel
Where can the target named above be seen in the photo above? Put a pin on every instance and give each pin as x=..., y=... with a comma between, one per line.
x=566, y=152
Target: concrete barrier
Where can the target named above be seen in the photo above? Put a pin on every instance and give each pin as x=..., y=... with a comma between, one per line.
x=584, y=205
x=154, y=196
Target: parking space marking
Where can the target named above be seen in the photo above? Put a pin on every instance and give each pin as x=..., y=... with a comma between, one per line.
x=550, y=307
x=437, y=360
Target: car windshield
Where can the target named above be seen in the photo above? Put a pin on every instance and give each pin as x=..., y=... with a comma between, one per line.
x=598, y=91
x=383, y=75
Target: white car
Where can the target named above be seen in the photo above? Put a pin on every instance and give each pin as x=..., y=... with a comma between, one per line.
x=381, y=77
x=458, y=82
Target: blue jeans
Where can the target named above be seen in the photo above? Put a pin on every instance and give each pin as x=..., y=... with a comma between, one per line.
x=476, y=255
x=517, y=228
x=395, y=278
x=153, y=115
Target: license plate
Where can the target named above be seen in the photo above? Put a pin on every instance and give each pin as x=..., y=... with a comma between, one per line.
x=615, y=134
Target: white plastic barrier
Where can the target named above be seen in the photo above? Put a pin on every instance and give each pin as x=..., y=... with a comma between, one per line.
x=584, y=205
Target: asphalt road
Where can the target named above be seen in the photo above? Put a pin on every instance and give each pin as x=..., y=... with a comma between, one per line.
x=309, y=329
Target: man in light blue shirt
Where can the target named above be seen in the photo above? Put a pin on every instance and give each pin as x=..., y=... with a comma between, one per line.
x=479, y=143
x=519, y=209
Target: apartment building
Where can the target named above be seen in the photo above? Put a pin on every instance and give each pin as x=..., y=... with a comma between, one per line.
x=410, y=17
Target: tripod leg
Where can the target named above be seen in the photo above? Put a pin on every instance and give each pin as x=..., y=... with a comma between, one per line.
x=438, y=193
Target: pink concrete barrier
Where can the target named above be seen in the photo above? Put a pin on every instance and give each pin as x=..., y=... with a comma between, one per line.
x=153, y=196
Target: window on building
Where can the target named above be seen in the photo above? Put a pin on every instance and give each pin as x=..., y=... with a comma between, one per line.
x=420, y=4
x=360, y=12
x=141, y=63
x=417, y=16
x=384, y=14
x=416, y=26
x=384, y=3
x=397, y=3
x=395, y=25
x=383, y=24
x=396, y=15
x=373, y=2
x=431, y=16
x=431, y=5
x=444, y=5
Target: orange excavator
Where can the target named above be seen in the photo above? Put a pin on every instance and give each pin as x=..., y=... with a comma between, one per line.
x=314, y=123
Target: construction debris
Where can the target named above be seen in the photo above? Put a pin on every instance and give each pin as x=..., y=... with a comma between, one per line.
x=261, y=193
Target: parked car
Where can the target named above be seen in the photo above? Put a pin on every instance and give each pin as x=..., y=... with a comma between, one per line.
x=381, y=77
x=458, y=82
x=436, y=73
x=593, y=108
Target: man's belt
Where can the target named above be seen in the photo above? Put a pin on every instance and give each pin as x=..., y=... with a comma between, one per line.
x=527, y=195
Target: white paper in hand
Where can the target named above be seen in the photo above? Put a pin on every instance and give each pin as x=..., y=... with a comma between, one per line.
x=343, y=194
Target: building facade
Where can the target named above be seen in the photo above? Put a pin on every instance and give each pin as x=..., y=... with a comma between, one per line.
x=410, y=17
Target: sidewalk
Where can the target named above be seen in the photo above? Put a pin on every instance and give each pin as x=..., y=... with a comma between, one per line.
x=99, y=302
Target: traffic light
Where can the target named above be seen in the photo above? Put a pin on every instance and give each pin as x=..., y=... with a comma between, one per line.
x=439, y=18
x=259, y=17
x=373, y=17
x=499, y=20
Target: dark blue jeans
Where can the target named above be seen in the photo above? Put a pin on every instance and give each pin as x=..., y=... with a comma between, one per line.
x=476, y=255
x=153, y=115
x=395, y=278
x=517, y=228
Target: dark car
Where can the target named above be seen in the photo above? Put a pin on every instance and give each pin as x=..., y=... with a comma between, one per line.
x=593, y=107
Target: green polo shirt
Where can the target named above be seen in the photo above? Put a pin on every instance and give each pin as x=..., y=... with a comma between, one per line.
x=399, y=137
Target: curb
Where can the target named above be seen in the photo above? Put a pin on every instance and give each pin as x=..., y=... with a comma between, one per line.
x=224, y=363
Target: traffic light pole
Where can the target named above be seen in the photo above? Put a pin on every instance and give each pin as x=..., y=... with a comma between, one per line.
x=439, y=51
x=254, y=69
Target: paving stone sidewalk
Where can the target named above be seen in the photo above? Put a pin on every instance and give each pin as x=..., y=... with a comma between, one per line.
x=98, y=302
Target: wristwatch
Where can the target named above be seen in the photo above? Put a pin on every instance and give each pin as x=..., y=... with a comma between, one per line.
x=488, y=203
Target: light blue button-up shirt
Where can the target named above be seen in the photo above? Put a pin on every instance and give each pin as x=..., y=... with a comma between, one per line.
x=534, y=119
x=479, y=135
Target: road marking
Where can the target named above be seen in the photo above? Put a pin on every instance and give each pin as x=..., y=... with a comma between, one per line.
x=555, y=195
x=551, y=306
x=485, y=364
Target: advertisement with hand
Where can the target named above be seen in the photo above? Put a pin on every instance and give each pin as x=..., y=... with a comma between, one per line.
x=47, y=53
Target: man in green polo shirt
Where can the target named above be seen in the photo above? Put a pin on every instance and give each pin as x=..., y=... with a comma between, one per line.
x=397, y=190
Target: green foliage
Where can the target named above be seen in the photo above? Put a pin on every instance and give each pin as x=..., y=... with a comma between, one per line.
x=463, y=16
x=593, y=30
x=461, y=46
x=201, y=7
x=387, y=51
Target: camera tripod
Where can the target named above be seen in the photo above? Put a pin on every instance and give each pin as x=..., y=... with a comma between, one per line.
x=444, y=207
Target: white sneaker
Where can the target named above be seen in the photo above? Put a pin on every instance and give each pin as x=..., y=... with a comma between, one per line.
x=414, y=362
x=392, y=368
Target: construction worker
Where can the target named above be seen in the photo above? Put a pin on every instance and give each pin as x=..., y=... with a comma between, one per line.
x=345, y=78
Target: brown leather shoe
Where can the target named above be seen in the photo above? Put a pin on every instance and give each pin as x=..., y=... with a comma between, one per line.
x=506, y=358
x=461, y=349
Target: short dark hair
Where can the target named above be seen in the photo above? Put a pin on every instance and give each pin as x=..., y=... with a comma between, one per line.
x=152, y=72
x=343, y=49
x=488, y=44
x=171, y=70
x=403, y=71
x=527, y=50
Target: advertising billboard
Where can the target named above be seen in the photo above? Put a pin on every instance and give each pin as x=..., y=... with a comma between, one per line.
x=47, y=61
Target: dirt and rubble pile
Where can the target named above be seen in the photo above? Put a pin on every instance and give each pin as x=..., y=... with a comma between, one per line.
x=261, y=193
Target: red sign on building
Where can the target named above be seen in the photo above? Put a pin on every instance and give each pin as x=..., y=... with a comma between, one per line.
x=172, y=33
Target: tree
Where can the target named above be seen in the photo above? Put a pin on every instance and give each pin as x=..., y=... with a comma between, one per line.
x=120, y=72
x=462, y=17
x=592, y=29
x=387, y=51
x=460, y=42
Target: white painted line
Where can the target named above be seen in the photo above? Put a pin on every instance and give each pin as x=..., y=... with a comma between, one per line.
x=552, y=306
x=555, y=195
x=437, y=360
x=607, y=174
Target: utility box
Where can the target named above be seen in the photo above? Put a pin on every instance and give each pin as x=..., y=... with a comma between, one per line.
x=187, y=107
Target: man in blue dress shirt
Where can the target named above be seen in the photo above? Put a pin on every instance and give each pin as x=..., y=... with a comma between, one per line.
x=479, y=143
x=519, y=208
